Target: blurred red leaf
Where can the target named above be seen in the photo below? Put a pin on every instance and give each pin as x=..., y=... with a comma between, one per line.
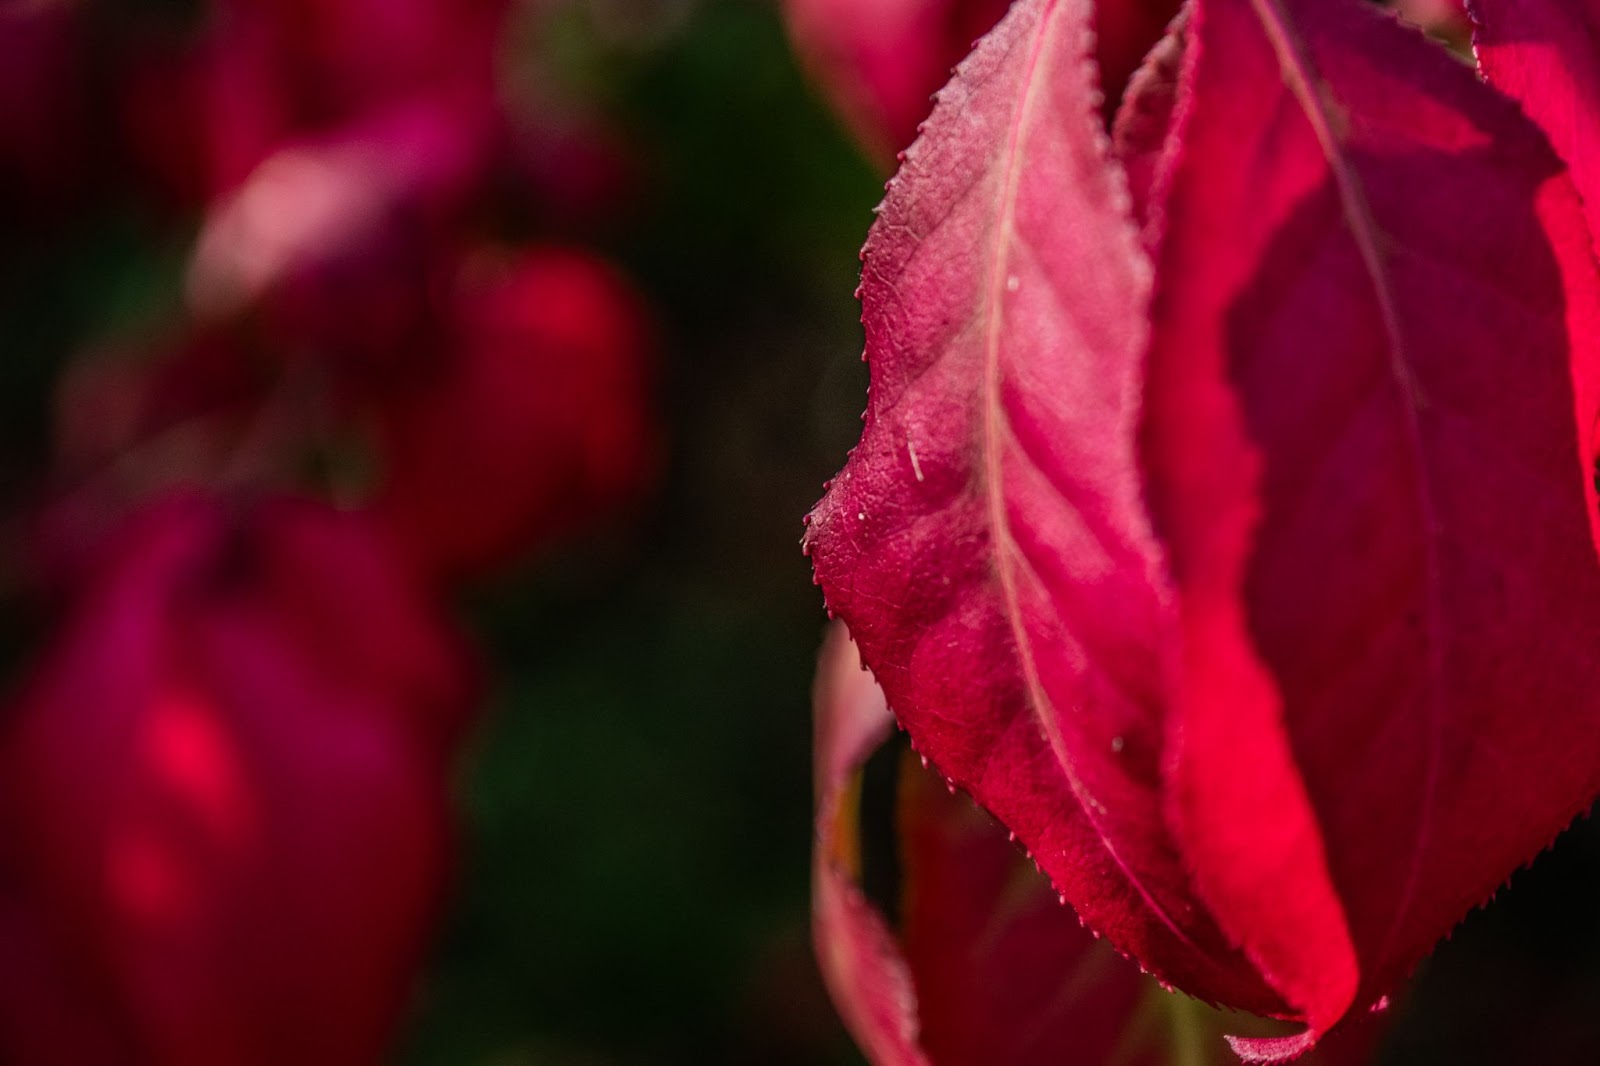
x=336, y=59
x=330, y=242
x=880, y=61
x=331, y=69
x=1125, y=32
x=1148, y=599
x=224, y=798
x=535, y=420
x=1370, y=534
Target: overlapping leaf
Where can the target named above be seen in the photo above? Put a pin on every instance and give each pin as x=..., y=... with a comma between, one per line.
x=987, y=542
x=1363, y=457
x=1263, y=613
x=1546, y=55
x=942, y=944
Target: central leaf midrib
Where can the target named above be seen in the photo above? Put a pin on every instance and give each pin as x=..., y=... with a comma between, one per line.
x=993, y=429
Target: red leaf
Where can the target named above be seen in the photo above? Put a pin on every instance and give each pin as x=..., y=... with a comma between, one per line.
x=337, y=58
x=1140, y=133
x=980, y=963
x=987, y=542
x=224, y=799
x=1546, y=55
x=1277, y=776
x=334, y=235
x=880, y=60
x=1364, y=462
x=536, y=421
x=984, y=964
x=1125, y=32
x=860, y=960
x=267, y=73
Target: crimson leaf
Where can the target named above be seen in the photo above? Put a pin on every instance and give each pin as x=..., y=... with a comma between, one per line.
x=1248, y=624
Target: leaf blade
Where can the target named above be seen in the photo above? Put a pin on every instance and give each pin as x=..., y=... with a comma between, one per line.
x=987, y=542
x=1337, y=360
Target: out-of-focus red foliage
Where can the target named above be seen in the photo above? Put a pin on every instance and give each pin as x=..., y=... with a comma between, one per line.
x=205, y=105
x=330, y=245
x=342, y=162
x=534, y=421
x=513, y=407
x=224, y=790
x=222, y=797
x=880, y=61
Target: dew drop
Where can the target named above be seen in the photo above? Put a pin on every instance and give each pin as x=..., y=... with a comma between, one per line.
x=861, y=516
x=1013, y=283
x=1117, y=744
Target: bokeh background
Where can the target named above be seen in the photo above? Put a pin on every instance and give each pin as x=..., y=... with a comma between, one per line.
x=635, y=799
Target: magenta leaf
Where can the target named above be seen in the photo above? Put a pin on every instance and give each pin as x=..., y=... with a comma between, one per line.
x=982, y=964
x=536, y=422
x=1363, y=459
x=1139, y=134
x=968, y=958
x=860, y=961
x=1248, y=624
x=987, y=542
x=1545, y=54
x=224, y=797
x=878, y=61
